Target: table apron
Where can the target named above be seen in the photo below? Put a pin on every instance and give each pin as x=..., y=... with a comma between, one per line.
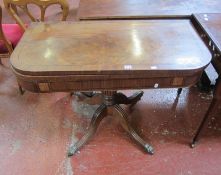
x=41, y=85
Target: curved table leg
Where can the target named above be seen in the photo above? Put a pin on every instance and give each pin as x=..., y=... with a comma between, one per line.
x=130, y=130
x=111, y=99
x=120, y=98
x=99, y=114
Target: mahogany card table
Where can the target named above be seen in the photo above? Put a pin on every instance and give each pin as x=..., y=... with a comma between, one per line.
x=108, y=56
x=209, y=28
x=128, y=9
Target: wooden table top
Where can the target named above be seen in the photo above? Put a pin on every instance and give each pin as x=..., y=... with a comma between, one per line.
x=110, y=48
x=112, y=9
x=211, y=23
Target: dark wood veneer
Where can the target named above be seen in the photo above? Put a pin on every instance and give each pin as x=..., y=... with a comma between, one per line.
x=109, y=55
x=152, y=9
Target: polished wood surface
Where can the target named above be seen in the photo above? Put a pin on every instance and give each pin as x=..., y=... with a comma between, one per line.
x=209, y=28
x=211, y=23
x=112, y=9
x=110, y=48
x=12, y=5
x=112, y=54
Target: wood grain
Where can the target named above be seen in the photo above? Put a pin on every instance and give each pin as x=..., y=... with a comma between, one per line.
x=122, y=9
x=209, y=26
x=110, y=55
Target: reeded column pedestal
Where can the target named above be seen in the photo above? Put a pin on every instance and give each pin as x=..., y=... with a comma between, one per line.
x=112, y=99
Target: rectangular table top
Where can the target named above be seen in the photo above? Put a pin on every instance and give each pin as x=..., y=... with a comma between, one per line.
x=211, y=26
x=211, y=23
x=113, y=9
x=110, y=47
